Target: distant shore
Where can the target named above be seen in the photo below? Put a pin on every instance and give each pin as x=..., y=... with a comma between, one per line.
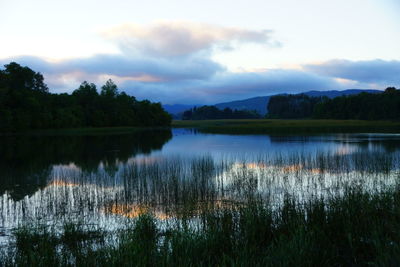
x=289, y=126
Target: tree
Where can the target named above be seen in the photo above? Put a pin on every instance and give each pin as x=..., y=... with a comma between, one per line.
x=187, y=114
x=16, y=77
x=364, y=106
x=38, y=83
x=292, y=106
x=213, y=113
x=86, y=97
x=390, y=90
x=25, y=104
x=109, y=90
x=86, y=93
x=86, y=89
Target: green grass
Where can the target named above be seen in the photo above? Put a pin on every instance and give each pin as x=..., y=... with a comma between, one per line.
x=288, y=126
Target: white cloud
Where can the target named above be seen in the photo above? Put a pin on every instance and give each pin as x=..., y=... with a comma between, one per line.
x=182, y=38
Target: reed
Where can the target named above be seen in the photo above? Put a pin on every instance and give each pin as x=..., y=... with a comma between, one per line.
x=317, y=208
x=357, y=228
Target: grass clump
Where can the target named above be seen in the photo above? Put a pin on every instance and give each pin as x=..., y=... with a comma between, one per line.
x=307, y=210
x=44, y=245
x=357, y=228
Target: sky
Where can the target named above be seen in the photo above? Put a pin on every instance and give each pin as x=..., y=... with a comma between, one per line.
x=205, y=52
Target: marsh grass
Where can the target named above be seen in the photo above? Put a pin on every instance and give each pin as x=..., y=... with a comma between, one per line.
x=282, y=210
x=357, y=228
x=45, y=245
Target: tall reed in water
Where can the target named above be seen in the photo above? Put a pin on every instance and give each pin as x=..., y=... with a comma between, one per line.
x=299, y=209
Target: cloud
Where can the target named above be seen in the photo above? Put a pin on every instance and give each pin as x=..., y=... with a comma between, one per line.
x=165, y=61
x=171, y=62
x=232, y=86
x=380, y=72
x=170, y=39
x=178, y=80
x=140, y=68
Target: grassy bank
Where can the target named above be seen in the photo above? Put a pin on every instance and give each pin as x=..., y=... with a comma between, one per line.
x=357, y=229
x=289, y=126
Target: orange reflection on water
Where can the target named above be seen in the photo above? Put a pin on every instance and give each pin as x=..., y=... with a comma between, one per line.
x=254, y=165
x=134, y=210
x=287, y=168
x=61, y=183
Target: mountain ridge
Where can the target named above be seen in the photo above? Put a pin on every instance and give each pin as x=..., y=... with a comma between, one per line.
x=259, y=103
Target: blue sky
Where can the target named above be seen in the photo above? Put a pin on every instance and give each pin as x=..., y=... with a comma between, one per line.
x=205, y=51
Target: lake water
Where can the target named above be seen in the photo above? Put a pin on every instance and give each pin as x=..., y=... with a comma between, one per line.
x=109, y=179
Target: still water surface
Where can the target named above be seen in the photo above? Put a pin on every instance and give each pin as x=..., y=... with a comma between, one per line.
x=109, y=179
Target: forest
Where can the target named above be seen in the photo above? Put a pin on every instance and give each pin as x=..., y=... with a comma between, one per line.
x=213, y=113
x=363, y=106
x=27, y=104
x=292, y=106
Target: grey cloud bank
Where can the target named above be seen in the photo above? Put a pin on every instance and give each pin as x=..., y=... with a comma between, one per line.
x=123, y=66
x=200, y=80
x=367, y=71
x=231, y=86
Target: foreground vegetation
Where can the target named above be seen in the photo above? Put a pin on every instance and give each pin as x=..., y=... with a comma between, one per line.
x=26, y=104
x=289, y=126
x=319, y=209
x=357, y=228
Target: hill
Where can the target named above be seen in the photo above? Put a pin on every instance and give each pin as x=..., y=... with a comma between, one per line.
x=177, y=108
x=255, y=103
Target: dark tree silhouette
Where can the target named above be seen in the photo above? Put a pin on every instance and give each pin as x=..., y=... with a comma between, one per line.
x=15, y=77
x=213, y=113
x=109, y=90
x=364, y=106
x=25, y=103
x=292, y=106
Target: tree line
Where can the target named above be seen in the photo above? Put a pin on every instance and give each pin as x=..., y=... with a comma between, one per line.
x=363, y=106
x=292, y=106
x=26, y=103
x=213, y=113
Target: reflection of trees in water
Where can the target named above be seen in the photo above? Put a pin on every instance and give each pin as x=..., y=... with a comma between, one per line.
x=387, y=145
x=26, y=161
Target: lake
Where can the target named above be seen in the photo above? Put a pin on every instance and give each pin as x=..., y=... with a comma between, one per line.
x=108, y=180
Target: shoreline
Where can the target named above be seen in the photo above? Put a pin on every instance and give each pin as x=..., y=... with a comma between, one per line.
x=279, y=126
